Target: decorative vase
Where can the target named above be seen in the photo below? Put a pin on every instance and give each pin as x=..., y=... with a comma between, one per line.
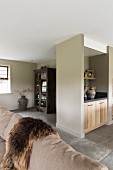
x=91, y=92
x=85, y=91
x=22, y=103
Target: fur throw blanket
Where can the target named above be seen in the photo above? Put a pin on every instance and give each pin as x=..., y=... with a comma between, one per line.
x=20, y=141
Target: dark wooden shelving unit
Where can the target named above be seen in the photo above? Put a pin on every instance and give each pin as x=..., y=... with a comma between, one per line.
x=45, y=89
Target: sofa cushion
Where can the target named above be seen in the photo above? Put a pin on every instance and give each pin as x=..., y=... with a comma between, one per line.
x=2, y=109
x=53, y=153
x=2, y=148
x=5, y=116
x=14, y=119
x=2, y=140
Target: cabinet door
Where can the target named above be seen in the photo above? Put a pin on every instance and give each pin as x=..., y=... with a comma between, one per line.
x=89, y=116
x=106, y=111
x=101, y=112
x=97, y=113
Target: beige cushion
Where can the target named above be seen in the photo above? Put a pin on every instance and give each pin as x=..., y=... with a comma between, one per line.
x=2, y=109
x=14, y=119
x=5, y=116
x=2, y=140
x=2, y=148
x=52, y=153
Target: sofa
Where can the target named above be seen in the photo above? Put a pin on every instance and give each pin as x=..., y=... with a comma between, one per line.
x=50, y=153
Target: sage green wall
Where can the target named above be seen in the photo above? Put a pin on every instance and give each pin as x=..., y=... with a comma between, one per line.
x=70, y=85
x=86, y=63
x=86, y=67
x=100, y=66
x=21, y=77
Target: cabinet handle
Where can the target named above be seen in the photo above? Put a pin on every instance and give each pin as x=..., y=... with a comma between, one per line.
x=90, y=105
x=101, y=102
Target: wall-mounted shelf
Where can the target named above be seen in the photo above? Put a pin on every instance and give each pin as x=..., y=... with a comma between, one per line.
x=89, y=78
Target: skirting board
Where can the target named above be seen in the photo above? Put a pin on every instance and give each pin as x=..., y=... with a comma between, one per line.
x=17, y=110
x=74, y=133
x=109, y=123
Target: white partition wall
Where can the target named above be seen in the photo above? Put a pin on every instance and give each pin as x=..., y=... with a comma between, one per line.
x=70, y=85
x=110, y=84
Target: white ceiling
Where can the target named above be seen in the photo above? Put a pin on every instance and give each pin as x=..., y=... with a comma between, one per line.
x=29, y=29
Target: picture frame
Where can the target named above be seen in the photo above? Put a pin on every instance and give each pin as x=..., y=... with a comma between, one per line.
x=89, y=74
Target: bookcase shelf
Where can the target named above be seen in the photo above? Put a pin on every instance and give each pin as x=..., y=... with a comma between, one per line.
x=45, y=89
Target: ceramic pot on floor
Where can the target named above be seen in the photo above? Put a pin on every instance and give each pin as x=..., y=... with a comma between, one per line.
x=23, y=101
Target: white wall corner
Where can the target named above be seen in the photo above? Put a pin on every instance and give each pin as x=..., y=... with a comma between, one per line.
x=94, y=45
x=73, y=132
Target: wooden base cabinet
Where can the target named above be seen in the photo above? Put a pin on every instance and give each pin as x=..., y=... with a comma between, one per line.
x=95, y=114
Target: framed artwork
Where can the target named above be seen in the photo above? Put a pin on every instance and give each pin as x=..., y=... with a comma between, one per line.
x=89, y=74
